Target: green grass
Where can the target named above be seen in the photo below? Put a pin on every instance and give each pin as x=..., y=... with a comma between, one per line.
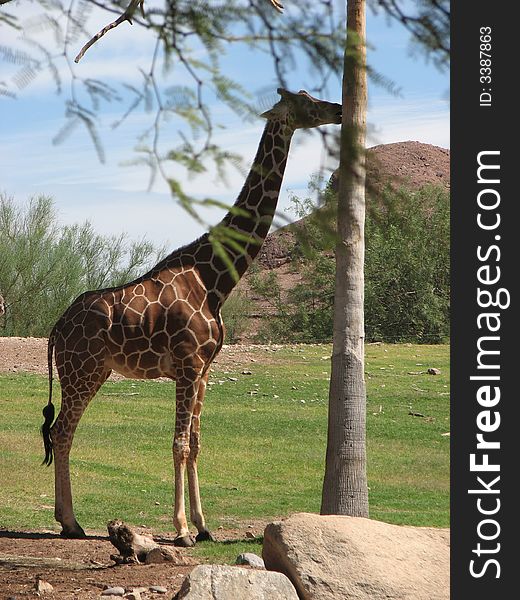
x=263, y=443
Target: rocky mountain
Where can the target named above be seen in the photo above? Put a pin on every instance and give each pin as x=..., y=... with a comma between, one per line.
x=403, y=164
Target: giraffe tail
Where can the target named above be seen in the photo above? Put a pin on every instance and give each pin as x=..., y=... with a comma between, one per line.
x=48, y=411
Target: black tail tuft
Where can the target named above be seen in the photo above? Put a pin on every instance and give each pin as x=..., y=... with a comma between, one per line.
x=48, y=413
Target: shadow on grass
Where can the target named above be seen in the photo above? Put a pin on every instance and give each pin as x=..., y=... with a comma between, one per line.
x=256, y=541
x=168, y=541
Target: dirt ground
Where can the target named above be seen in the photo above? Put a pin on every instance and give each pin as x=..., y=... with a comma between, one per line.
x=81, y=569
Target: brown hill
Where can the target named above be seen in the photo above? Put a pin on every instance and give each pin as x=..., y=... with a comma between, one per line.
x=403, y=164
x=408, y=165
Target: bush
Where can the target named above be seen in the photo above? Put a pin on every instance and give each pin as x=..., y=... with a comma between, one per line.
x=44, y=267
x=407, y=294
x=235, y=314
x=407, y=272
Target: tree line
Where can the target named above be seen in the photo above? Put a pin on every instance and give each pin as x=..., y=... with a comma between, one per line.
x=43, y=266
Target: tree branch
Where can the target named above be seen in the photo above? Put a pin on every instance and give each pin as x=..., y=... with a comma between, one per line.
x=126, y=16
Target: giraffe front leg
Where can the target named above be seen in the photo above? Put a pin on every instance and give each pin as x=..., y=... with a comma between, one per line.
x=196, y=515
x=187, y=388
x=180, y=453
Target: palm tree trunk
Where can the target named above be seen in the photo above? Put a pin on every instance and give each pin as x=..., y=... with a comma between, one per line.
x=345, y=490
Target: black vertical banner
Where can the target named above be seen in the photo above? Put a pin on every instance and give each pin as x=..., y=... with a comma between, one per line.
x=485, y=341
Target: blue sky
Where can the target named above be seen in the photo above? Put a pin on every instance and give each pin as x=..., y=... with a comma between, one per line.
x=114, y=196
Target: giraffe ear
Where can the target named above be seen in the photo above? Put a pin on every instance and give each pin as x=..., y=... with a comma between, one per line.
x=269, y=114
x=279, y=108
x=289, y=96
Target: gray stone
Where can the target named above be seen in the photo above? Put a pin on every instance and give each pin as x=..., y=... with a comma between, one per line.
x=218, y=582
x=251, y=559
x=158, y=589
x=332, y=557
x=114, y=591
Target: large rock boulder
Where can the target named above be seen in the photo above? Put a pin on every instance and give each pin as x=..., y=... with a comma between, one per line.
x=332, y=557
x=218, y=582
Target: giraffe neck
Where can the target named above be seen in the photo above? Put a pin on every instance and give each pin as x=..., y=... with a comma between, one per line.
x=259, y=195
x=257, y=201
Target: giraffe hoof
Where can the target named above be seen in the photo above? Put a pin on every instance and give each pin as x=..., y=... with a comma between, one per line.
x=73, y=533
x=204, y=536
x=186, y=541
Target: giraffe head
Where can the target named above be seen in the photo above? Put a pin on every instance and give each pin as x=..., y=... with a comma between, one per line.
x=302, y=111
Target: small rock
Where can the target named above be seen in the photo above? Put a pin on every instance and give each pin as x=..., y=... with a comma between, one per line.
x=246, y=372
x=251, y=559
x=43, y=587
x=133, y=596
x=433, y=371
x=158, y=589
x=163, y=554
x=250, y=535
x=114, y=591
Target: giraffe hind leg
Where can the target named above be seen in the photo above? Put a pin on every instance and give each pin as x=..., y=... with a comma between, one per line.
x=77, y=391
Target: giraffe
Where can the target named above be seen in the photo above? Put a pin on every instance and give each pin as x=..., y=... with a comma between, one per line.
x=167, y=323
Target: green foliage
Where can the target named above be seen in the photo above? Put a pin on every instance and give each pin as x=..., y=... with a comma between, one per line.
x=407, y=276
x=194, y=38
x=44, y=267
x=235, y=314
x=407, y=294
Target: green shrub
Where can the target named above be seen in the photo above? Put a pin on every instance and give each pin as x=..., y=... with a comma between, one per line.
x=43, y=266
x=235, y=314
x=407, y=272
